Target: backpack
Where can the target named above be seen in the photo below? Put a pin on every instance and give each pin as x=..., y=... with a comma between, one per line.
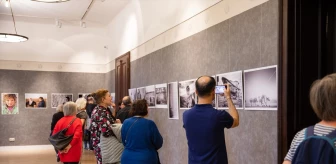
x=316, y=149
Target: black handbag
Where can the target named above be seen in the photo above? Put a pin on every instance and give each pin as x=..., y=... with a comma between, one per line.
x=59, y=140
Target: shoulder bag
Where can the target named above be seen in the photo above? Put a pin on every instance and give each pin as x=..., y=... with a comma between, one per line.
x=59, y=140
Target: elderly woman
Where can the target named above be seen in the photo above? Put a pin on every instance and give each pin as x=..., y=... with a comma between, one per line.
x=323, y=101
x=72, y=153
x=81, y=112
x=101, y=120
x=140, y=150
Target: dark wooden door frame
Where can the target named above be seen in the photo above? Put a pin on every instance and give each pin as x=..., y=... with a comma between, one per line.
x=282, y=74
x=307, y=51
x=121, y=86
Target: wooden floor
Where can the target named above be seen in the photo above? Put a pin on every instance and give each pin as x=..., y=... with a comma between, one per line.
x=44, y=154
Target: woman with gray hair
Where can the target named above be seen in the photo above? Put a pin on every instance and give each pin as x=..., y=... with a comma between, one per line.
x=314, y=138
x=81, y=113
x=72, y=153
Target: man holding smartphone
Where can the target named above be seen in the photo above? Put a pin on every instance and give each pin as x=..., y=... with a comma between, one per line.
x=204, y=125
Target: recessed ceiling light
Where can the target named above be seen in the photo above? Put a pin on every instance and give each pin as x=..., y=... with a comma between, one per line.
x=51, y=1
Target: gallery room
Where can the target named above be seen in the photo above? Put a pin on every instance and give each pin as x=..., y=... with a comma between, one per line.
x=267, y=51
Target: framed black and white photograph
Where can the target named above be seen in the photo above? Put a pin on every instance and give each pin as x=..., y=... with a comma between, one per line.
x=10, y=103
x=235, y=80
x=132, y=94
x=261, y=88
x=60, y=98
x=161, y=96
x=36, y=100
x=140, y=93
x=83, y=95
x=150, y=96
x=173, y=101
x=187, y=95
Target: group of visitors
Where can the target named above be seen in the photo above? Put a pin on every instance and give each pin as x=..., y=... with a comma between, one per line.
x=203, y=124
x=130, y=118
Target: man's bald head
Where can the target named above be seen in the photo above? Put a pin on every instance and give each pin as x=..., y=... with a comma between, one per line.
x=205, y=85
x=126, y=100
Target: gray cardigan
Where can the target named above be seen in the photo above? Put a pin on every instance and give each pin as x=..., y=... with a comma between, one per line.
x=112, y=147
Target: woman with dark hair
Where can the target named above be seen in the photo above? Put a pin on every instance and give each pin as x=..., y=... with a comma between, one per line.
x=101, y=120
x=140, y=150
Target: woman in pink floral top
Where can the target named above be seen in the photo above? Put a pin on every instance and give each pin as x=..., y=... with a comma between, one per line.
x=101, y=118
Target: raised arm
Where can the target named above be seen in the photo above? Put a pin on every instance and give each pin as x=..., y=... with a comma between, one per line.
x=232, y=108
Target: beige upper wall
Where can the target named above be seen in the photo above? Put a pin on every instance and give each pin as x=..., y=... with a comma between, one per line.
x=139, y=28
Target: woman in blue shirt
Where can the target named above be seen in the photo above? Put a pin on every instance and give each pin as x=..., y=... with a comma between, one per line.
x=140, y=137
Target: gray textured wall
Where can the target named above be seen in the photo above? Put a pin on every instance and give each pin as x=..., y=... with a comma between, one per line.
x=31, y=126
x=246, y=41
x=109, y=81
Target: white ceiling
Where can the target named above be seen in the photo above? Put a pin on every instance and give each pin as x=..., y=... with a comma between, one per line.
x=101, y=11
x=66, y=44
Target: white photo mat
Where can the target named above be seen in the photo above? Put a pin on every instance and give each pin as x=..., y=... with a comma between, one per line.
x=60, y=98
x=261, y=88
x=161, y=96
x=36, y=98
x=173, y=101
x=140, y=93
x=187, y=95
x=4, y=104
x=235, y=79
x=132, y=94
x=150, y=96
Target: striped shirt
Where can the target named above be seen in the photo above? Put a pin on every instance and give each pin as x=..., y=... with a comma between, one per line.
x=319, y=130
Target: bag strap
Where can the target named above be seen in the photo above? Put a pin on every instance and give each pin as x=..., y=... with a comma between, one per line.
x=80, y=112
x=130, y=128
x=71, y=122
x=332, y=134
x=309, y=131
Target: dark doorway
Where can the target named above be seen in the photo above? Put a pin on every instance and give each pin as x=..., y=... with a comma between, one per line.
x=122, y=76
x=307, y=52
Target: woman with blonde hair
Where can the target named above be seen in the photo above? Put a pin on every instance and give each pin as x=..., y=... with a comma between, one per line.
x=81, y=112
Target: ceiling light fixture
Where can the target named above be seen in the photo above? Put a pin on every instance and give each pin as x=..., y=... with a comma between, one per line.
x=51, y=1
x=7, y=3
x=6, y=37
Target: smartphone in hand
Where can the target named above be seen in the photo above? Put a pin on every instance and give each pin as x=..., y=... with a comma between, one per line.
x=220, y=89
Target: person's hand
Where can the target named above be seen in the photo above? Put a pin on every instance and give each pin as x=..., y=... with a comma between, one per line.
x=113, y=105
x=118, y=121
x=227, y=91
x=66, y=149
